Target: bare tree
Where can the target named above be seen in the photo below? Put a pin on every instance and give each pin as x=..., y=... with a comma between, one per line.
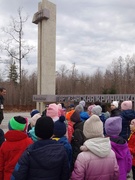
x=15, y=46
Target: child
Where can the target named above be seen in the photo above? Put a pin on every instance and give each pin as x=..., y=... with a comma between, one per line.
x=113, y=127
x=11, y=150
x=97, y=160
x=31, y=132
x=46, y=158
x=59, y=135
x=131, y=145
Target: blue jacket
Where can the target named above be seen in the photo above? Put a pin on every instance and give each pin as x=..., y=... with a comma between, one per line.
x=45, y=159
x=127, y=116
x=63, y=140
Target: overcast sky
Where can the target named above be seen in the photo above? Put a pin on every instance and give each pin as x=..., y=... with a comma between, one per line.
x=90, y=33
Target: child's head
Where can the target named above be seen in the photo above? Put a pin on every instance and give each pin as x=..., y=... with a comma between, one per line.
x=60, y=127
x=125, y=105
x=33, y=112
x=93, y=127
x=17, y=123
x=44, y=127
x=114, y=105
x=52, y=111
x=97, y=110
x=113, y=126
x=34, y=119
x=132, y=125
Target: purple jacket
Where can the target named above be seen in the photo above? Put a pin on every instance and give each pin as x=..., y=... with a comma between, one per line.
x=123, y=156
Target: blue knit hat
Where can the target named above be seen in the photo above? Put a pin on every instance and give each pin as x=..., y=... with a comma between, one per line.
x=33, y=112
x=60, y=127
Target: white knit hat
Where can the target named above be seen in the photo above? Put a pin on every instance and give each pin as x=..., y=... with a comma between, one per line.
x=115, y=103
x=93, y=127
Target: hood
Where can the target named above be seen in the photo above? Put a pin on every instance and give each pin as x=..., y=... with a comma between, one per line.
x=14, y=135
x=120, y=150
x=99, y=146
x=128, y=114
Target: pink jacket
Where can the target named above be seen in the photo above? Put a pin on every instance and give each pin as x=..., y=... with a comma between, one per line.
x=96, y=162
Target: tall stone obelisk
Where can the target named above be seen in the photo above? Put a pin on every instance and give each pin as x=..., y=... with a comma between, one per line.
x=46, y=20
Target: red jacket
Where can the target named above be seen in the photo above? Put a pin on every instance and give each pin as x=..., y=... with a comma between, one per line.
x=11, y=150
x=131, y=145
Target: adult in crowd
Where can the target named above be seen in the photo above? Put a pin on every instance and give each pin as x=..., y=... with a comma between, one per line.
x=2, y=94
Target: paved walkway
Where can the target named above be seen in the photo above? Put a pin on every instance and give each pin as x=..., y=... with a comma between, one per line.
x=8, y=116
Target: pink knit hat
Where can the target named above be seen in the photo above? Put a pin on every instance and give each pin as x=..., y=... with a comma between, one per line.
x=52, y=111
x=125, y=105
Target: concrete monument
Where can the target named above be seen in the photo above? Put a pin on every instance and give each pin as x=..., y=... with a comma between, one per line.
x=46, y=20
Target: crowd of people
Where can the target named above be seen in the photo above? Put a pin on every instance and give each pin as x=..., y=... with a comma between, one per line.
x=78, y=142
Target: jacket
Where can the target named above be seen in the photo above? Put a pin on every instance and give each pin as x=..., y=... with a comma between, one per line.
x=45, y=159
x=131, y=145
x=2, y=138
x=11, y=150
x=70, y=130
x=115, y=112
x=127, y=116
x=123, y=156
x=96, y=162
x=63, y=140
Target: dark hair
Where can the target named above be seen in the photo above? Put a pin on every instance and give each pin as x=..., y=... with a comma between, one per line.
x=2, y=88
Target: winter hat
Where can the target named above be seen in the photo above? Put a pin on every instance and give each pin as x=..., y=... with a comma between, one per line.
x=69, y=114
x=34, y=119
x=115, y=103
x=79, y=108
x=60, y=127
x=90, y=107
x=75, y=117
x=17, y=123
x=93, y=127
x=113, y=126
x=97, y=110
x=33, y=112
x=52, y=111
x=44, y=127
x=125, y=105
x=82, y=103
x=71, y=106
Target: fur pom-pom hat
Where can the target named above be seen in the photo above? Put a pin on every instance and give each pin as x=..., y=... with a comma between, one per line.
x=125, y=105
x=17, y=123
x=60, y=127
x=93, y=127
x=113, y=126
